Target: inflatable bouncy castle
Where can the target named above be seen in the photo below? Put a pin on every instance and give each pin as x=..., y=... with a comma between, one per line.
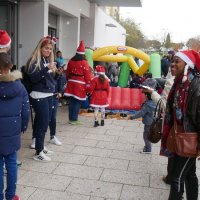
x=122, y=98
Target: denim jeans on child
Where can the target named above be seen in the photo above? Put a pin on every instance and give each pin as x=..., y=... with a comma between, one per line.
x=52, y=123
x=11, y=168
x=43, y=109
x=145, y=137
x=74, y=107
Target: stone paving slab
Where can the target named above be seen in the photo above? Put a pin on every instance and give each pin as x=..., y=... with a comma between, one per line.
x=115, y=146
x=45, y=181
x=92, y=151
x=143, y=193
x=107, y=163
x=95, y=188
x=56, y=195
x=124, y=177
x=78, y=171
x=68, y=158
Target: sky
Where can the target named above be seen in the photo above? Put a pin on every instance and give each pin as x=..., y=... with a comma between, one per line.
x=181, y=18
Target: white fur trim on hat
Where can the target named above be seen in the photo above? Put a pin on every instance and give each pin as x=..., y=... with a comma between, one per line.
x=185, y=59
x=6, y=45
x=80, y=52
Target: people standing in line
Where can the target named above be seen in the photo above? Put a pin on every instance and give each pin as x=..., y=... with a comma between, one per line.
x=41, y=70
x=183, y=111
x=78, y=76
x=146, y=112
x=99, y=91
x=163, y=97
x=14, y=118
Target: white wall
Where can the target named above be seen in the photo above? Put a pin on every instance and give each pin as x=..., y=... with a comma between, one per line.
x=96, y=34
x=75, y=7
x=104, y=35
x=32, y=27
x=87, y=27
x=69, y=36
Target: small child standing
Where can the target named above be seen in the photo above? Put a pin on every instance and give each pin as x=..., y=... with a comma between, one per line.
x=146, y=112
x=14, y=117
x=99, y=91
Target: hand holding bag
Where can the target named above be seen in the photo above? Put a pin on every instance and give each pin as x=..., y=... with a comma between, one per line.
x=155, y=131
x=182, y=143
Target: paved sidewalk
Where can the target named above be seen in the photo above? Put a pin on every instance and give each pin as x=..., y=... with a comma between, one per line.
x=100, y=163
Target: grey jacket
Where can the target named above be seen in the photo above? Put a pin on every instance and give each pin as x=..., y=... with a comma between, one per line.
x=146, y=112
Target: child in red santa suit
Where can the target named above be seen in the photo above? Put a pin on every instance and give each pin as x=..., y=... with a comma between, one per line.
x=99, y=91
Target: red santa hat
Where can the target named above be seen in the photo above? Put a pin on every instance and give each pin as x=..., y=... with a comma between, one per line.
x=81, y=48
x=4, y=39
x=191, y=58
x=100, y=70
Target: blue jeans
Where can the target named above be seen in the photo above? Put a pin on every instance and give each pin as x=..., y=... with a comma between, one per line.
x=74, y=107
x=147, y=144
x=52, y=123
x=11, y=167
x=43, y=110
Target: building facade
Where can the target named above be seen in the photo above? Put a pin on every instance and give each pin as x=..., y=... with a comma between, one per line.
x=27, y=21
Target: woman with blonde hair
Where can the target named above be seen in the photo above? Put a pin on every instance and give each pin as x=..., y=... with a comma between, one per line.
x=41, y=70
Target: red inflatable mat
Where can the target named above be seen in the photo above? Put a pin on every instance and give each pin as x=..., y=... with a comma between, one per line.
x=125, y=99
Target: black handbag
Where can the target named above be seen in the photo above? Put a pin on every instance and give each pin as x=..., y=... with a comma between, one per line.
x=155, y=131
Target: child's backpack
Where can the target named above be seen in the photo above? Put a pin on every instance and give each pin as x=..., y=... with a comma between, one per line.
x=26, y=80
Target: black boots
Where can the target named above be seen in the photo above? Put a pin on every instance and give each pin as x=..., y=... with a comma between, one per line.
x=96, y=123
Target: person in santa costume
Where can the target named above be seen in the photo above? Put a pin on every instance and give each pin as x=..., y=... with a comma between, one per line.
x=78, y=76
x=185, y=116
x=5, y=41
x=99, y=91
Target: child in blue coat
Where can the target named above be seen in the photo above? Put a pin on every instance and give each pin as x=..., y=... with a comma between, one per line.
x=14, y=117
x=146, y=113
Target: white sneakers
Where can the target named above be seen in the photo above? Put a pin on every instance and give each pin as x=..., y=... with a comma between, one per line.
x=42, y=157
x=55, y=141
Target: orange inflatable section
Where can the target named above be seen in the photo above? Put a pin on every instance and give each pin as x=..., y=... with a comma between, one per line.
x=125, y=99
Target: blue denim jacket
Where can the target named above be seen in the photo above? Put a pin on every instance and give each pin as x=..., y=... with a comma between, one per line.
x=146, y=112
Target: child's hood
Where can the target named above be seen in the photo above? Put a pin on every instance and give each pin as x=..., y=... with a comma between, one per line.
x=9, y=86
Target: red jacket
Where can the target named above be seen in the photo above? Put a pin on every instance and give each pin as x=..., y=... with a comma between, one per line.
x=78, y=75
x=99, y=92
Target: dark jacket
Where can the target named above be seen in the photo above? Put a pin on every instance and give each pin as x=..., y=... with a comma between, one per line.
x=14, y=112
x=42, y=80
x=191, y=120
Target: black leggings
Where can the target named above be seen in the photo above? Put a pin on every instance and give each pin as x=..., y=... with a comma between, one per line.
x=184, y=171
